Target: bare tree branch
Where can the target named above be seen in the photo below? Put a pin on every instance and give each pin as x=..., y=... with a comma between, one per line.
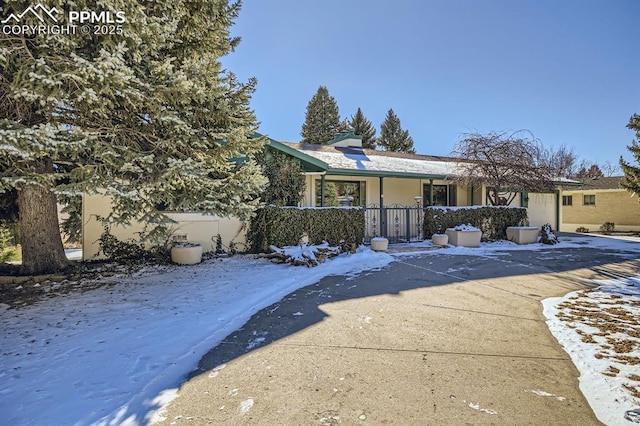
x=504, y=163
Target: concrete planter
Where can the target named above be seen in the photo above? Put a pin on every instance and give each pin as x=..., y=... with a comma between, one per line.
x=464, y=238
x=379, y=244
x=523, y=234
x=440, y=239
x=186, y=255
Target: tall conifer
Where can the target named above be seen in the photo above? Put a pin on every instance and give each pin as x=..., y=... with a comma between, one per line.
x=363, y=127
x=392, y=137
x=631, y=180
x=147, y=115
x=322, y=119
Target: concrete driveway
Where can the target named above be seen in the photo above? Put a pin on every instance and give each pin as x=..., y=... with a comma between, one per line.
x=429, y=340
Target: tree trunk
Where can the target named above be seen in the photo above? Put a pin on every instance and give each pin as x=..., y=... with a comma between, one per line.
x=42, y=250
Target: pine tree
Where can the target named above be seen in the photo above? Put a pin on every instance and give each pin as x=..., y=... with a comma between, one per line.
x=286, y=178
x=392, y=137
x=363, y=127
x=322, y=119
x=147, y=115
x=631, y=181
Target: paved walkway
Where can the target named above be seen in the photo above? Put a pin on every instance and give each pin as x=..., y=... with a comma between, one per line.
x=429, y=340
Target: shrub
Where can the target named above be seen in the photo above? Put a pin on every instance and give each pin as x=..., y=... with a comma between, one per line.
x=582, y=229
x=8, y=246
x=607, y=227
x=129, y=251
x=493, y=221
x=283, y=226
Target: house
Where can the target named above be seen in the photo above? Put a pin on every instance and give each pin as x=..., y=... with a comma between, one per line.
x=343, y=173
x=598, y=201
x=392, y=186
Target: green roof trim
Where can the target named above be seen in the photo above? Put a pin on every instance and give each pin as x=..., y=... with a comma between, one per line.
x=382, y=173
x=344, y=136
x=317, y=165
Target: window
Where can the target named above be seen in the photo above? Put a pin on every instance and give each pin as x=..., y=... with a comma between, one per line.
x=567, y=200
x=443, y=195
x=589, y=200
x=341, y=193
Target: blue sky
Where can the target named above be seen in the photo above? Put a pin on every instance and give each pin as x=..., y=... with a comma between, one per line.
x=566, y=70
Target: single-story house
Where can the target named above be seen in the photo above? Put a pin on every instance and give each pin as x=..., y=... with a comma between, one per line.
x=343, y=173
x=598, y=201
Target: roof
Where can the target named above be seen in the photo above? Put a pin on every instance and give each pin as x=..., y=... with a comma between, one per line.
x=369, y=162
x=612, y=182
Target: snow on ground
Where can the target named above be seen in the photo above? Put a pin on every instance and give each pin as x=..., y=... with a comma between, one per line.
x=115, y=354
x=600, y=330
x=109, y=355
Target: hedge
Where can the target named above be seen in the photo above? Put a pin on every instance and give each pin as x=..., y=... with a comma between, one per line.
x=284, y=226
x=493, y=221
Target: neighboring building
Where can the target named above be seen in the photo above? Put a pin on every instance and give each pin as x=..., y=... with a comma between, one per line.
x=598, y=201
x=342, y=173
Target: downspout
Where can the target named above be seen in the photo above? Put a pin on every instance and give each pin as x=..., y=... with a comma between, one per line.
x=473, y=193
x=322, y=183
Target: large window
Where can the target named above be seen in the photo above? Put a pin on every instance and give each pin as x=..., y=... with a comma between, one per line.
x=567, y=200
x=589, y=200
x=341, y=193
x=443, y=195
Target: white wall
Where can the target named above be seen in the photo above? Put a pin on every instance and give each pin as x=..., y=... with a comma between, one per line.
x=542, y=209
x=197, y=227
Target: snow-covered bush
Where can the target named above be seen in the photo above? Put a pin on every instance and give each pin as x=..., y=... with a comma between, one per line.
x=547, y=236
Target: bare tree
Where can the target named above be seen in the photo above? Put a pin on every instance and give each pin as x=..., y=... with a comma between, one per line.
x=504, y=163
x=610, y=169
x=563, y=161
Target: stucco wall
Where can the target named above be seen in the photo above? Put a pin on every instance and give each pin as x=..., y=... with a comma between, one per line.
x=196, y=227
x=542, y=209
x=612, y=205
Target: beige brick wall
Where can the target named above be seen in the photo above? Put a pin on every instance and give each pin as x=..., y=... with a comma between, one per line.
x=612, y=205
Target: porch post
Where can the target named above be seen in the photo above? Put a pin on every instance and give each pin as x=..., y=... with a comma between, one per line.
x=558, y=210
x=431, y=192
x=383, y=214
x=322, y=191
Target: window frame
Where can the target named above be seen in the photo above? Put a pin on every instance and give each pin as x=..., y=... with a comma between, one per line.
x=567, y=200
x=361, y=193
x=589, y=202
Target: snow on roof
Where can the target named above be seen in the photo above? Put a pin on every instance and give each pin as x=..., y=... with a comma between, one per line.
x=368, y=160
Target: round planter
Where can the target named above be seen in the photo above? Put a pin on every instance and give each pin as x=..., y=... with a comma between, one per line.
x=189, y=255
x=440, y=239
x=379, y=244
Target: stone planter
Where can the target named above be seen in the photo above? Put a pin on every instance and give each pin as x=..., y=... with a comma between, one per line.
x=186, y=254
x=465, y=238
x=523, y=234
x=440, y=239
x=379, y=244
